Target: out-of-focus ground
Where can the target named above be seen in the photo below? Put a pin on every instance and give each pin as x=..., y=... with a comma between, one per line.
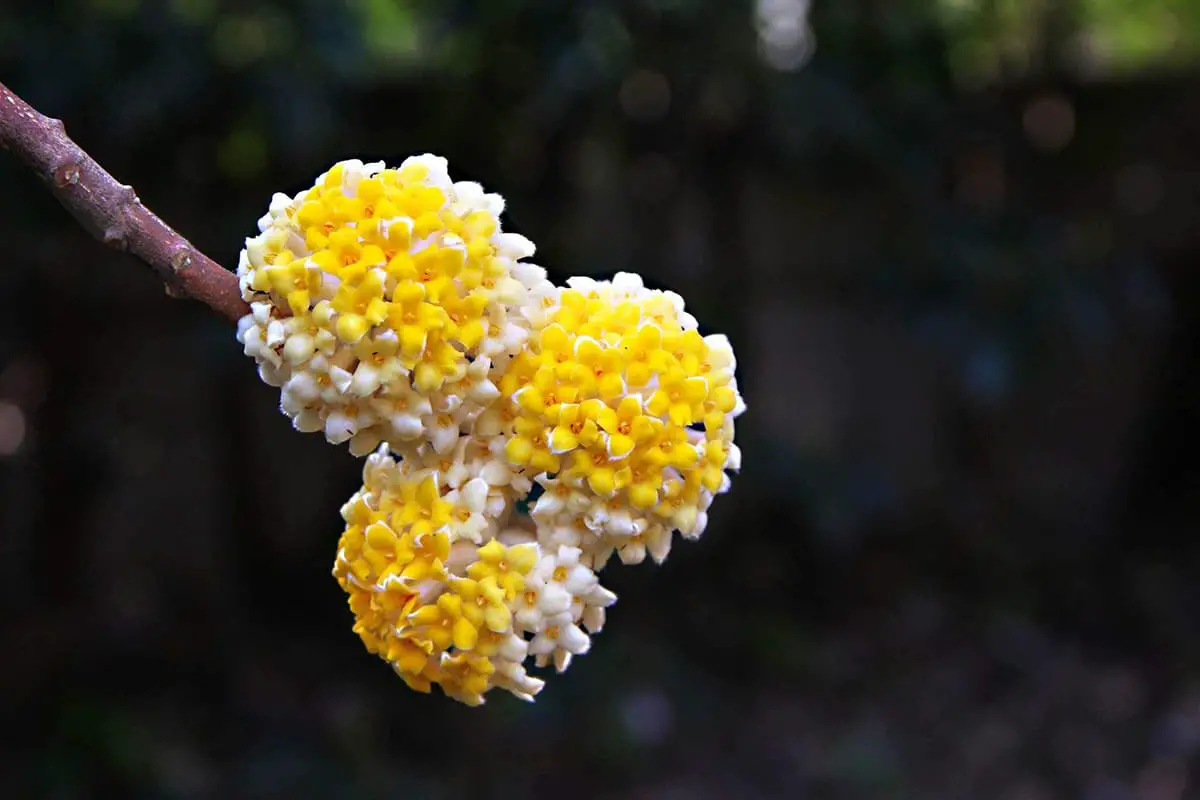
x=954, y=243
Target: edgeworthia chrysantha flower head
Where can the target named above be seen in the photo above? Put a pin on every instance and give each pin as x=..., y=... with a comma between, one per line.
x=380, y=298
x=393, y=313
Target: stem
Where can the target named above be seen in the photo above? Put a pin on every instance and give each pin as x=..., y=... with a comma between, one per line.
x=111, y=211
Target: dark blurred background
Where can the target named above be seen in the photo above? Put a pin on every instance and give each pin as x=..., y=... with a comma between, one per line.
x=954, y=243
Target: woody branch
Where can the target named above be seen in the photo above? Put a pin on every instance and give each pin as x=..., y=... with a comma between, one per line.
x=110, y=210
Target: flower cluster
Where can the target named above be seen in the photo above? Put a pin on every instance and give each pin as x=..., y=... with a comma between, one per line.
x=445, y=599
x=625, y=413
x=379, y=299
x=393, y=313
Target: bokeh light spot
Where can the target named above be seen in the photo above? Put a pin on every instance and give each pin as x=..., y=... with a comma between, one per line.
x=1049, y=122
x=12, y=428
x=646, y=96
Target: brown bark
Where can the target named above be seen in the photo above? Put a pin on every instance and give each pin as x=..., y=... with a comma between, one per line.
x=110, y=210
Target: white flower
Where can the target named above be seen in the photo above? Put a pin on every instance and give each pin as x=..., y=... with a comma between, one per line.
x=563, y=567
x=438, y=167
x=585, y=285
x=720, y=355
x=279, y=205
x=589, y=608
x=621, y=522
x=308, y=421
x=469, y=196
x=441, y=429
x=561, y=498
x=511, y=675
x=340, y=425
x=540, y=600
x=369, y=375
x=627, y=286
x=491, y=423
x=404, y=410
x=272, y=375
x=476, y=385
x=471, y=501
x=503, y=338
x=656, y=540
x=559, y=639
x=593, y=617
x=516, y=247
x=299, y=348
x=365, y=441
x=378, y=470
x=541, y=301
x=472, y=458
x=252, y=336
x=734, y=461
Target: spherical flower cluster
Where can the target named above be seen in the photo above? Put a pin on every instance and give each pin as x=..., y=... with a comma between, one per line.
x=393, y=313
x=625, y=412
x=447, y=599
x=379, y=299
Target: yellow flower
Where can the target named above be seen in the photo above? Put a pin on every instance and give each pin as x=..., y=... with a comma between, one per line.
x=520, y=371
x=673, y=448
x=680, y=504
x=603, y=476
x=644, y=351
x=444, y=624
x=599, y=370
x=411, y=660
x=528, y=448
x=296, y=279
x=555, y=348
x=423, y=510
x=689, y=350
x=679, y=396
x=545, y=393
x=720, y=404
x=389, y=573
x=644, y=482
x=359, y=306
x=483, y=603
x=711, y=470
x=466, y=677
x=440, y=363
x=507, y=565
x=575, y=309
x=627, y=426
x=413, y=319
x=577, y=424
x=466, y=323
